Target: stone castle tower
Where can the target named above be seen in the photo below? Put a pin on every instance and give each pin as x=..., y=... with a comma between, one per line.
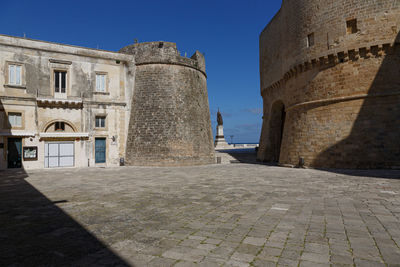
x=330, y=82
x=170, y=118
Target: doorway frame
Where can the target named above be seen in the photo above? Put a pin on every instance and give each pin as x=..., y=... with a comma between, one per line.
x=105, y=149
x=8, y=150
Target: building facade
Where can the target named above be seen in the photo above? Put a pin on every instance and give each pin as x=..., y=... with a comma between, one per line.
x=330, y=82
x=66, y=106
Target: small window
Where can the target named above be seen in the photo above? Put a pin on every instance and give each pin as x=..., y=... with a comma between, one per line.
x=15, y=119
x=310, y=40
x=100, y=121
x=351, y=26
x=60, y=81
x=14, y=74
x=100, y=82
x=59, y=126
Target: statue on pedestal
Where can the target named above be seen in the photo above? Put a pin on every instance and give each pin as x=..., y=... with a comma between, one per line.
x=219, y=118
x=220, y=142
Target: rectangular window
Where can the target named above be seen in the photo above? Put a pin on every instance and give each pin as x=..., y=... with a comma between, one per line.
x=351, y=26
x=14, y=74
x=310, y=40
x=100, y=121
x=100, y=82
x=60, y=81
x=15, y=119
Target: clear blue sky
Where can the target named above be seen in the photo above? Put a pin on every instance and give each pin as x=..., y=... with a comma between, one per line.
x=226, y=31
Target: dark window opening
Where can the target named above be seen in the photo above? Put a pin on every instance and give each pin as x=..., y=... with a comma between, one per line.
x=60, y=81
x=351, y=26
x=57, y=81
x=341, y=57
x=310, y=40
x=59, y=126
x=100, y=121
x=63, y=81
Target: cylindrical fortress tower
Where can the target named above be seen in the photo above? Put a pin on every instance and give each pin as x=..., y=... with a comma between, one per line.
x=330, y=82
x=170, y=118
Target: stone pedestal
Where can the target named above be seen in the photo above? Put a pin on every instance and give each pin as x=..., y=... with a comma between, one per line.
x=220, y=142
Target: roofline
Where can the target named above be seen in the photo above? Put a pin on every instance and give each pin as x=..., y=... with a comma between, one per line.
x=152, y=42
x=15, y=41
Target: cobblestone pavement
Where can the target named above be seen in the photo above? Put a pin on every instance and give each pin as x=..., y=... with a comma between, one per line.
x=220, y=215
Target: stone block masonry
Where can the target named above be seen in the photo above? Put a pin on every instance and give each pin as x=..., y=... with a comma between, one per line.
x=220, y=215
x=333, y=101
x=170, y=118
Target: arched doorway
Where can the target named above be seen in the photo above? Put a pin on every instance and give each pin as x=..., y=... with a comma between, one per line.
x=59, y=150
x=276, y=126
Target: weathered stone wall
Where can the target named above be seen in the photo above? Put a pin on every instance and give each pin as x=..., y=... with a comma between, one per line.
x=38, y=60
x=341, y=95
x=170, y=119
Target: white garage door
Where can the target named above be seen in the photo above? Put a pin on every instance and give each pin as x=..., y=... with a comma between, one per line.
x=58, y=154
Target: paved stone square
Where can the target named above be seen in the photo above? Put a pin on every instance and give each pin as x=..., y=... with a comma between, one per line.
x=219, y=215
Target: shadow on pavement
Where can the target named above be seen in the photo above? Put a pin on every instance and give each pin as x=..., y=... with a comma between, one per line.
x=249, y=156
x=371, y=173
x=35, y=232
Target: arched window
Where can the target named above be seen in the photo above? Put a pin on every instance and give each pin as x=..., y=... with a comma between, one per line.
x=60, y=126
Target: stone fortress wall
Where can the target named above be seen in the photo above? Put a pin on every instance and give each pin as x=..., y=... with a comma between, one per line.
x=170, y=118
x=330, y=82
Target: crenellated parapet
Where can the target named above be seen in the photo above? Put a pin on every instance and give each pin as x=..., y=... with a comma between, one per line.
x=332, y=58
x=164, y=53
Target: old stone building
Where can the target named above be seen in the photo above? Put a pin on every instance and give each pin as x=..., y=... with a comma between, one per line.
x=64, y=106
x=330, y=82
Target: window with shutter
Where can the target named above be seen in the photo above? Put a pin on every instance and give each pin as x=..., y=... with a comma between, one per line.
x=14, y=74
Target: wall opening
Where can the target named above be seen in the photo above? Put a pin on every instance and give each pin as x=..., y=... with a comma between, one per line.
x=310, y=40
x=351, y=26
x=276, y=127
x=59, y=126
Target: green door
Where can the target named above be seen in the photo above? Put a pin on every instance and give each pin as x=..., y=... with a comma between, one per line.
x=100, y=150
x=14, y=149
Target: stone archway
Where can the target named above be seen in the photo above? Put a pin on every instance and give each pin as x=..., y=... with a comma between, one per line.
x=276, y=126
x=67, y=126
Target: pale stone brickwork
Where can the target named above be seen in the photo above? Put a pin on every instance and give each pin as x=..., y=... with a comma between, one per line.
x=330, y=75
x=170, y=119
x=171, y=99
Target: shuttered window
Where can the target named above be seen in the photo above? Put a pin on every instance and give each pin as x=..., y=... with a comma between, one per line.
x=15, y=119
x=14, y=74
x=100, y=82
